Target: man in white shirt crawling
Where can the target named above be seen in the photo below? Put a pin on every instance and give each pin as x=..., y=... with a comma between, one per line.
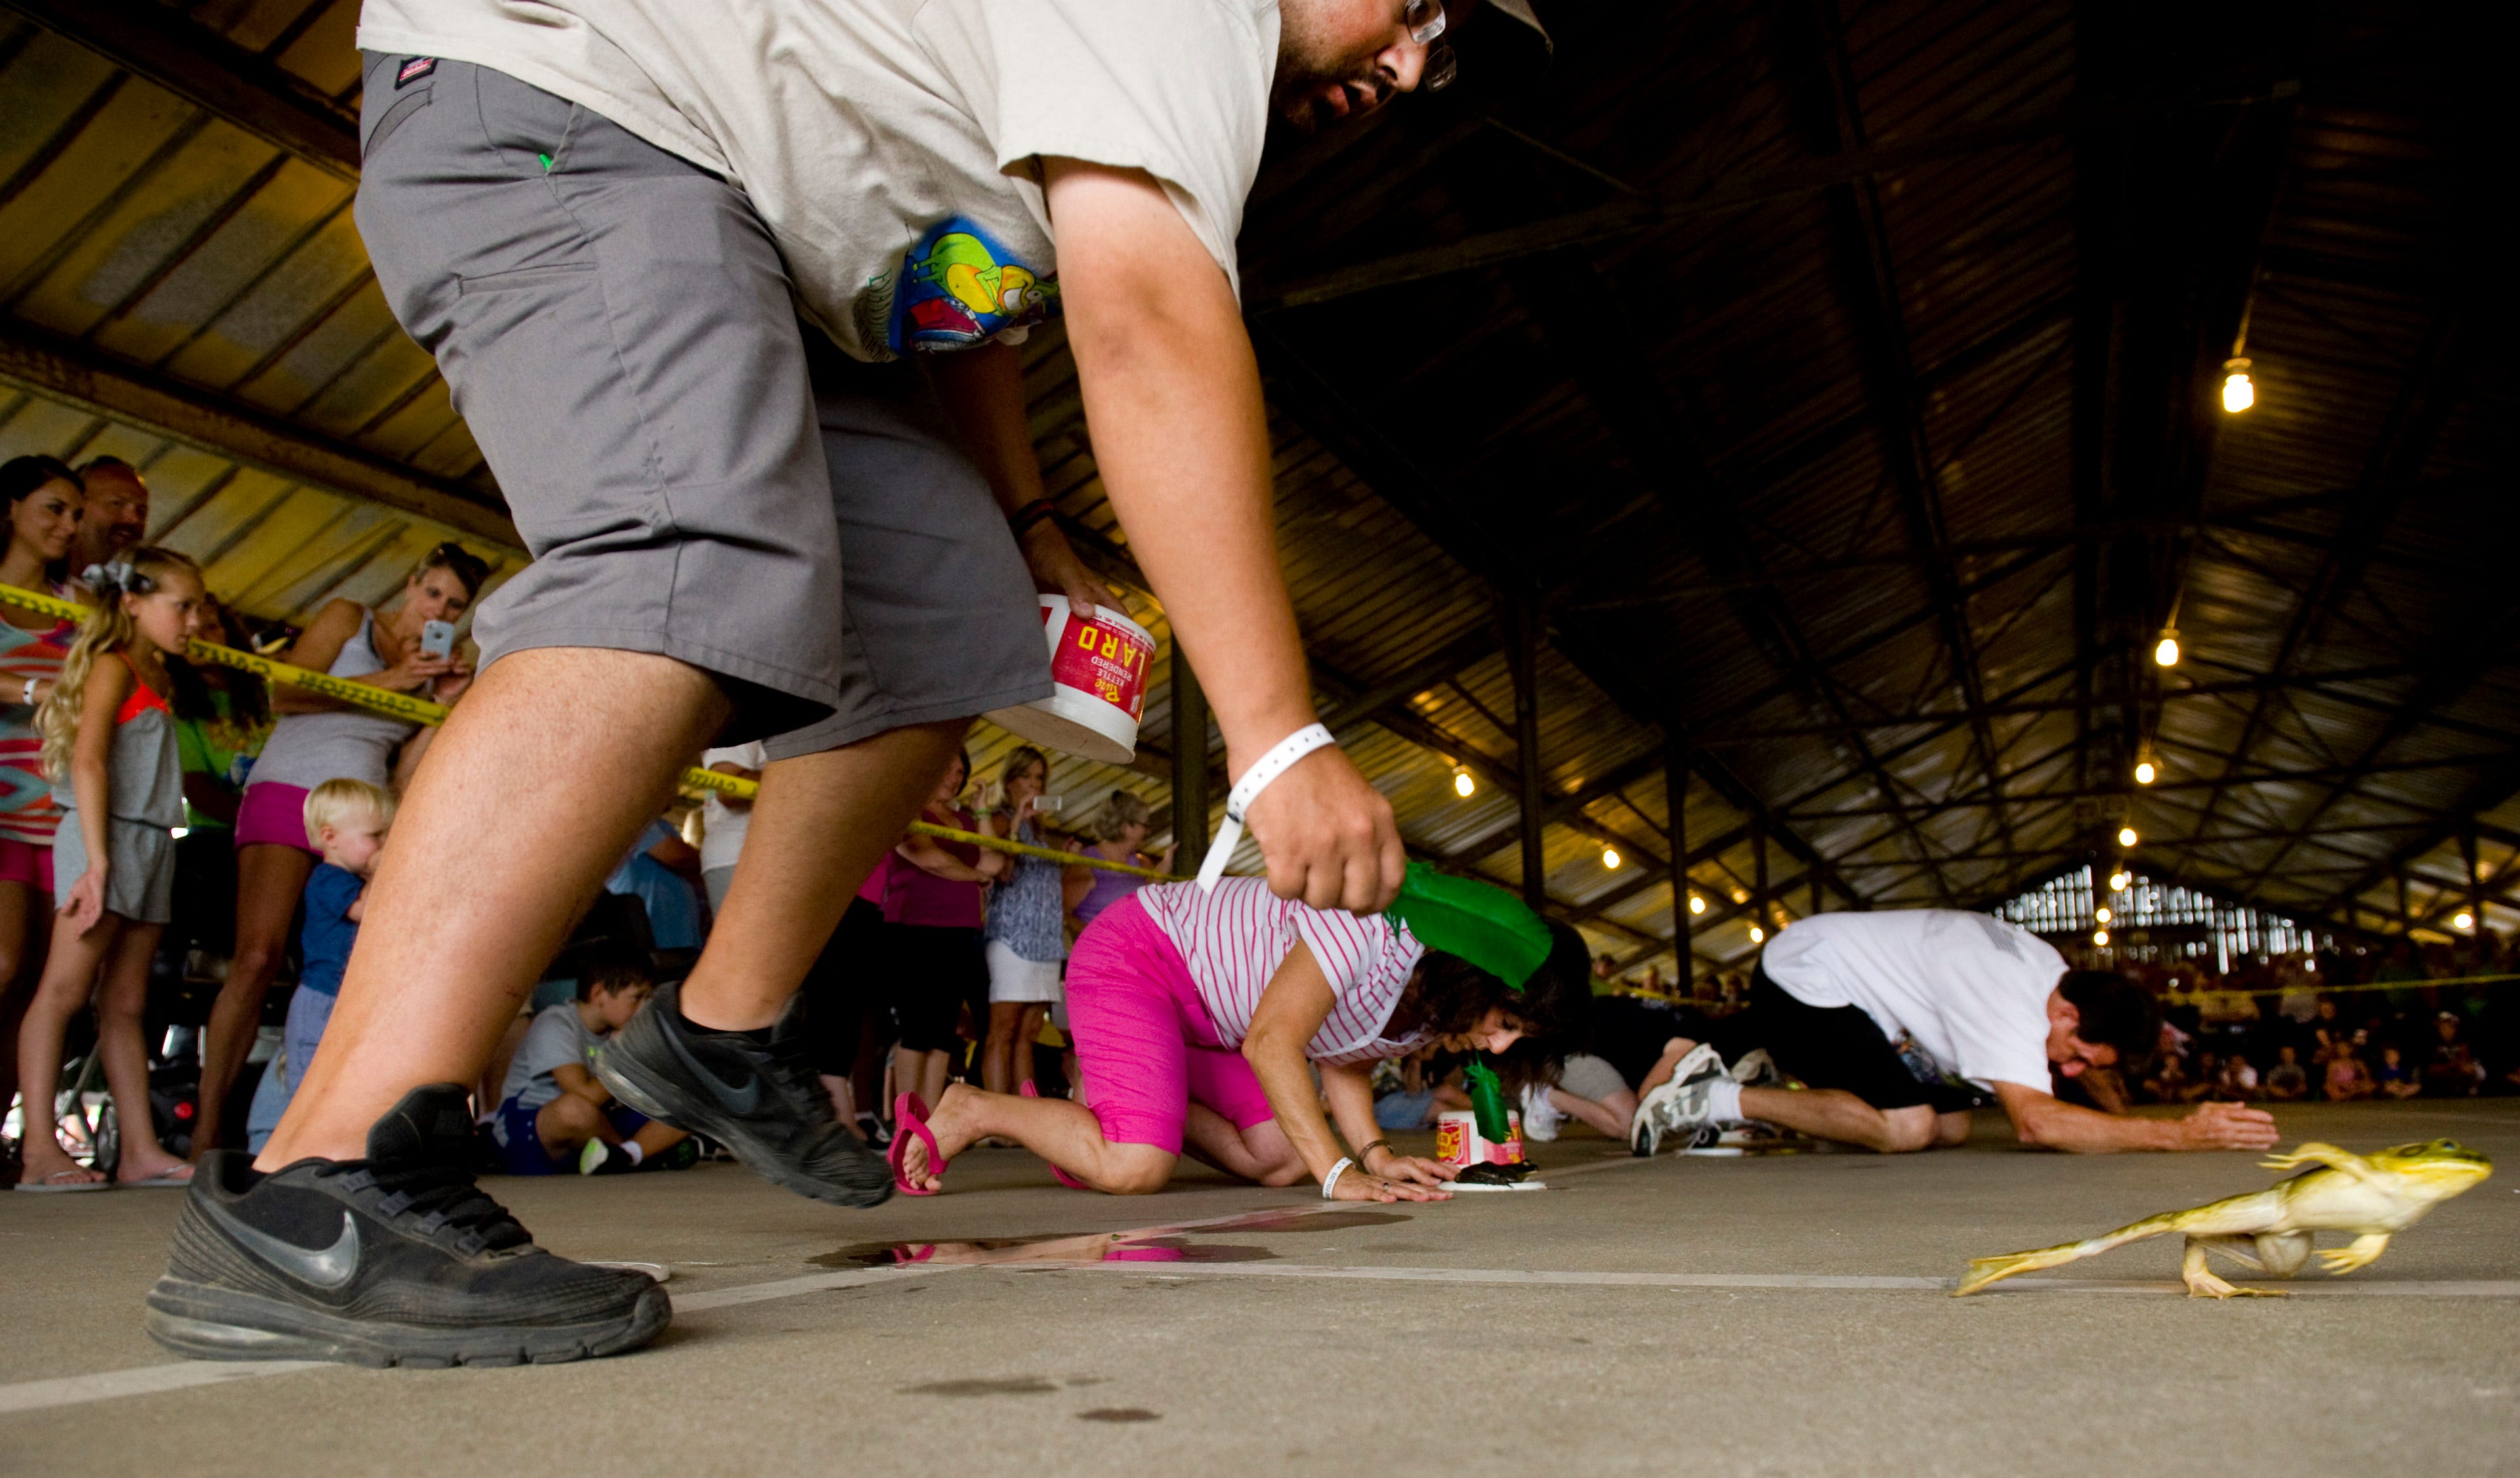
x=728, y=295
x=1899, y=1024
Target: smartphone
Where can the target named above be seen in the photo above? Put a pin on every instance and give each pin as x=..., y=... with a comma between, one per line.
x=438, y=639
x=1047, y=805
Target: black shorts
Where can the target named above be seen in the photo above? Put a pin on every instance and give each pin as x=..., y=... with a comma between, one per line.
x=1833, y=1046
x=848, y=983
x=935, y=971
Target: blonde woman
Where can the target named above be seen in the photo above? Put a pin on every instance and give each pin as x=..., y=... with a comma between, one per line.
x=1025, y=936
x=320, y=739
x=110, y=748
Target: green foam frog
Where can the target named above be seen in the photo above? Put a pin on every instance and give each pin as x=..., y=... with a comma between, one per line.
x=2372, y=1196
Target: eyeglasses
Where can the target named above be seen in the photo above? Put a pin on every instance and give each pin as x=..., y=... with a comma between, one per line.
x=1426, y=22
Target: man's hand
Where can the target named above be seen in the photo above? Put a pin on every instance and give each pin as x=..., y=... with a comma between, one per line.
x=1328, y=837
x=2227, y=1125
x=1172, y=396
x=1057, y=570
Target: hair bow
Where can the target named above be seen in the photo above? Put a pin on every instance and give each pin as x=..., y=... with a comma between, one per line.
x=114, y=574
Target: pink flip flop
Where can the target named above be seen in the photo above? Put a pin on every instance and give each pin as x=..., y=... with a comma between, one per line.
x=910, y=1117
x=1063, y=1177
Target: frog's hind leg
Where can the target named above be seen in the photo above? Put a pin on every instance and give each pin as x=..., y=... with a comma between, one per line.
x=2243, y=1249
x=2362, y=1252
x=2239, y=1216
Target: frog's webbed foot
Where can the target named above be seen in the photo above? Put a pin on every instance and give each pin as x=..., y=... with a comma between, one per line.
x=2362, y=1252
x=2201, y=1282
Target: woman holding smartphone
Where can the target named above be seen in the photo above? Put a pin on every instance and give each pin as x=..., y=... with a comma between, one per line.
x=408, y=649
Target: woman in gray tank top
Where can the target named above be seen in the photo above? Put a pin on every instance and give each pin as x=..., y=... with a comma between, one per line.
x=317, y=739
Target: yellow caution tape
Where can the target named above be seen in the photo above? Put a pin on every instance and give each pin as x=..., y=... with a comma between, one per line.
x=415, y=710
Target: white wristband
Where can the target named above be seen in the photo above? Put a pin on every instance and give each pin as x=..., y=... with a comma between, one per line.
x=29, y=696
x=1332, y=1180
x=1277, y=761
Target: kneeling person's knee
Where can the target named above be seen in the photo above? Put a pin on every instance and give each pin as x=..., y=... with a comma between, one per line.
x=1905, y=1131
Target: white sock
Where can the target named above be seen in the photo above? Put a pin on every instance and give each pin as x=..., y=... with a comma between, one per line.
x=631, y=1149
x=1724, y=1101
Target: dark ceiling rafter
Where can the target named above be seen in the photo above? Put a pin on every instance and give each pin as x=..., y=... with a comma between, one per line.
x=205, y=69
x=67, y=371
x=1832, y=122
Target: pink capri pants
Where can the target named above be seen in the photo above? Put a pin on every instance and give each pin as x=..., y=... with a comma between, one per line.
x=1145, y=1043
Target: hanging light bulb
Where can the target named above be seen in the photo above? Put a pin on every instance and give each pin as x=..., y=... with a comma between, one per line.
x=1610, y=858
x=2100, y=938
x=2127, y=837
x=2118, y=882
x=2102, y=915
x=1697, y=905
x=2237, y=394
x=2165, y=652
x=1463, y=785
x=2146, y=772
x=2462, y=919
x=1758, y=935
x=1738, y=896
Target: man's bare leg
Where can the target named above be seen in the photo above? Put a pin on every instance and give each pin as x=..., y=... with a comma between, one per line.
x=539, y=785
x=1829, y=1113
x=820, y=827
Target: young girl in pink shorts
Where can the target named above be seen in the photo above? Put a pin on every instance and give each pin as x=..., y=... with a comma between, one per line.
x=1197, y=1017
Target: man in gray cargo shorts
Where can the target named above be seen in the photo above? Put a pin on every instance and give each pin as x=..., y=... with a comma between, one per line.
x=677, y=263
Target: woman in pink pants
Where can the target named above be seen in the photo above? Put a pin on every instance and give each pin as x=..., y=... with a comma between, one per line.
x=1197, y=1017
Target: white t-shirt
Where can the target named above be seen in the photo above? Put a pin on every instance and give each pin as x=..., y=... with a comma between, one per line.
x=1234, y=938
x=892, y=146
x=1970, y=991
x=722, y=826
x=559, y=1037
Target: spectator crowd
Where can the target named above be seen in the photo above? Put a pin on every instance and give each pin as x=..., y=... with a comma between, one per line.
x=156, y=959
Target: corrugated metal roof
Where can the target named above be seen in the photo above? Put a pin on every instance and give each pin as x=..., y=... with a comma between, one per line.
x=1793, y=462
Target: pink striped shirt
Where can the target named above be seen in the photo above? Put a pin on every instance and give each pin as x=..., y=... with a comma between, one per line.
x=1234, y=938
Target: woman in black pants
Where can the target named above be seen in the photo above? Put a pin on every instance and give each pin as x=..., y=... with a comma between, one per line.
x=934, y=900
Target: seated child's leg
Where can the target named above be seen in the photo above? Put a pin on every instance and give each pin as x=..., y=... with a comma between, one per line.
x=566, y=1123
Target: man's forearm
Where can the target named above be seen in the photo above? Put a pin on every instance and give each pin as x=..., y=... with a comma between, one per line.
x=2076, y=1130
x=1172, y=393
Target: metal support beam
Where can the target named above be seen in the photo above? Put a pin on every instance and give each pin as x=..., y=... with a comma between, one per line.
x=1522, y=652
x=159, y=44
x=59, y=369
x=1675, y=799
x=1189, y=766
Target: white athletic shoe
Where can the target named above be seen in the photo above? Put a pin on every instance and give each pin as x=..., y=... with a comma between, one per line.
x=1678, y=1106
x=1539, y=1117
x=1757, y=1069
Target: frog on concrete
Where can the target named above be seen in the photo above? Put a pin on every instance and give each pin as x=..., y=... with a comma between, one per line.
x=2372, y=1196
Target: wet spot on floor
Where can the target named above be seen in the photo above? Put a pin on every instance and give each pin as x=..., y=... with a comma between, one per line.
x=1119, y=1414
x=1012, y=1385
x=1274, y=1222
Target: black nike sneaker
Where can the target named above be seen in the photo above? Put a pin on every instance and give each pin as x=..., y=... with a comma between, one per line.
x=394, y=1259
x=762, y=1100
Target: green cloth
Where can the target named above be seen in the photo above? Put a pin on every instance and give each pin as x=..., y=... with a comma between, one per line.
x=211, y=746
x=1478, y=922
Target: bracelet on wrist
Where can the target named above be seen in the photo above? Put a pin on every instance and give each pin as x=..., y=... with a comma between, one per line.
x=1331, y=1181
x=1023, y=518
x=1365, y=1154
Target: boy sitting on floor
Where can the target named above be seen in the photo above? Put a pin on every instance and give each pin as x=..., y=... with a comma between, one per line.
x=553, y=1114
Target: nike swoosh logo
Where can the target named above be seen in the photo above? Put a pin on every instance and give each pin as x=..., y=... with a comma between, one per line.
x=741, y=1097
x=325, y=1268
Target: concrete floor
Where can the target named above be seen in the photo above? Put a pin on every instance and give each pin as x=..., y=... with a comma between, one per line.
x=1303, y=1347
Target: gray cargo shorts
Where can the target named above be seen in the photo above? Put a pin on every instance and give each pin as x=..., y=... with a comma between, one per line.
x=688, y=464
